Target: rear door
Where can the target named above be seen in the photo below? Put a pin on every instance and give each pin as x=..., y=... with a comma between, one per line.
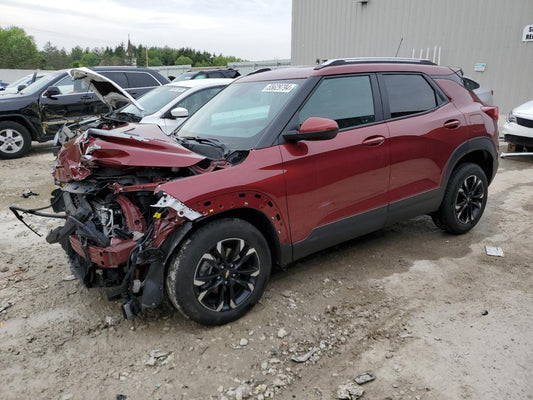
x=425, y=128
x=139, y=83
x=330, y=182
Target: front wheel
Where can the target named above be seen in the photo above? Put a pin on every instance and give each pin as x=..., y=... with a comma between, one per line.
x=219, y=272
x=15, y=140
x=464, y=200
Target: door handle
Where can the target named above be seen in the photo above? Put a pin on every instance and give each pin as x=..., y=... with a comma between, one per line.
x=452, y=124
x=373, y=141
x=86, y=97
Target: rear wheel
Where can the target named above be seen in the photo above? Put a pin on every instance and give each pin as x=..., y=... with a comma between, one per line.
x=15, y=140
x=219, y=272
x=464, y=200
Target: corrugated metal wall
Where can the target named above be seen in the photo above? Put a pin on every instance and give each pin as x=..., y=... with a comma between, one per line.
x=466, y=31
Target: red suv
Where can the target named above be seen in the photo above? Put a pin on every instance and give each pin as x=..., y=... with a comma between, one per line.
x=278, y=165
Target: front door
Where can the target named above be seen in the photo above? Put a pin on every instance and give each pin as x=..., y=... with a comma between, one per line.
x=336, y=189
x=74, y=103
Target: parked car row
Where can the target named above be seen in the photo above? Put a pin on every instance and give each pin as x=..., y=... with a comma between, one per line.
x=166, y=106
x=39, y=110
x=276, y=166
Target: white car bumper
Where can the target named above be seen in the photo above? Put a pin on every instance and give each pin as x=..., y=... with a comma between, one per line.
x=514, y=133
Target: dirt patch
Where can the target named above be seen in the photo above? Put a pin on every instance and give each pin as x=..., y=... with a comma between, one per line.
x=431, y=315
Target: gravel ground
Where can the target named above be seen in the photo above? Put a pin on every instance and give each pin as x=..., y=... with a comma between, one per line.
x=432, y=316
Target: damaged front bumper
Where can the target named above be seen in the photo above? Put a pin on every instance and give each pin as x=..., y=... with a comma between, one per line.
x=138, y=256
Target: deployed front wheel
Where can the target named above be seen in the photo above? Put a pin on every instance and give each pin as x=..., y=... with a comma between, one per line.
x=464, y=200
x=219, y=272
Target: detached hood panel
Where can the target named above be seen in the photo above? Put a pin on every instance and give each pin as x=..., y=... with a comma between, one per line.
x=106, y=90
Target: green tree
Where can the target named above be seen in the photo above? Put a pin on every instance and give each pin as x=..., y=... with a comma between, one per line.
x=17, y=50
x=183, y=60
x=90, y=59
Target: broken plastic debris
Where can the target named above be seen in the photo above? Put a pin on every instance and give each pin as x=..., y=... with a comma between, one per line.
x=494, y=251
x=28, y=193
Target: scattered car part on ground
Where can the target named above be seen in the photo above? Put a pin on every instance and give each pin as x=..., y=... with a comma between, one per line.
x=518, y=128
x=277, y=166
x=39, y=110
x=166, y=106
x=228, y=73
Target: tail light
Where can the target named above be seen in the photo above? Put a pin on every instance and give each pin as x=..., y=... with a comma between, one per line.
x=491, y=111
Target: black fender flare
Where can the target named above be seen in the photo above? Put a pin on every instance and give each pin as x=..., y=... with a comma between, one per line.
x=24, y=121
x=484, y=144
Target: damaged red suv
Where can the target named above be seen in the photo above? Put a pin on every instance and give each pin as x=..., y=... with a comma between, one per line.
x=278, y=165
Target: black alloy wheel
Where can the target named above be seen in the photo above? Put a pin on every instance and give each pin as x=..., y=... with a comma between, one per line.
x=226, y=275
x=464, y=200
x=470, y=199
x=219, y=272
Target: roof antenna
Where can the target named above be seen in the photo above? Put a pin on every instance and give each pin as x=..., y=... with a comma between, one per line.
x=400, y=45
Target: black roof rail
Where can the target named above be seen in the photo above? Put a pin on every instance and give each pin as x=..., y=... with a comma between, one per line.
x=373, y=60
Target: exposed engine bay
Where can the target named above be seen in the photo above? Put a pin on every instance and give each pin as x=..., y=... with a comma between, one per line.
x=120, y=228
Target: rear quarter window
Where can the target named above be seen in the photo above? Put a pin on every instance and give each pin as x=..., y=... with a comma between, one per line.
x=141, y=79
x=117, y=77
x=409, y=94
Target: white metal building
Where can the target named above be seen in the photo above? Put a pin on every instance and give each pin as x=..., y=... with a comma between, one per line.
x=492, y=40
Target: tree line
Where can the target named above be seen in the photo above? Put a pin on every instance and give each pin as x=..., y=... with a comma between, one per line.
x=18, y=50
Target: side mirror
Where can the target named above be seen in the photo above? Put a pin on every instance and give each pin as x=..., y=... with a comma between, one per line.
x=314, y=128
x=21, y=87
x=179, y=112
x=52, y=91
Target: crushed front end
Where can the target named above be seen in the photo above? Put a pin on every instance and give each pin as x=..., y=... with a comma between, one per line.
x=120, y=229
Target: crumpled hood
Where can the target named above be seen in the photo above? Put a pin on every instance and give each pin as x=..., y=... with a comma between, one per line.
x=133, y=146
x=105, y=89
x=524, y=110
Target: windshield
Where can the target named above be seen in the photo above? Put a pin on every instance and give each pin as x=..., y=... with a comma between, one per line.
x=39, y=85
x=185, y=77
x=22, y=81
x=155, y=100
x=239, y=114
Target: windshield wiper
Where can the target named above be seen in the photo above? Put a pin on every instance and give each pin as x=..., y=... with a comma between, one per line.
x=185, y=140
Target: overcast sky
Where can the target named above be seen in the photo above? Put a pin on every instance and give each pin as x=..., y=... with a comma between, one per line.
x=249, y=29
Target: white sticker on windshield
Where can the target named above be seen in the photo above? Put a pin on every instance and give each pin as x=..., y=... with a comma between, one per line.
x=279, y=87
x=178, y=89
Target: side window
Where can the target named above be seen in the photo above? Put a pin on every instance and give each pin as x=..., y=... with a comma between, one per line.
x=347, y=100
x=117, y=77
x=216, y=74
x=67, y=85
x=409, y=94
x=141, y=79
x=470, y=84
x=198, y=99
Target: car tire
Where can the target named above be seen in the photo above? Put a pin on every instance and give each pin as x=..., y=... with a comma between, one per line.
x=15, y=140
x=464, y=200
x=219, y=272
